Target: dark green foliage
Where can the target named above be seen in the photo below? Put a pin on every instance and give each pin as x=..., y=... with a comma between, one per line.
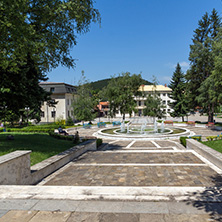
x=98, y=85
x=99, y=142
x=177, y=84
x=183, y=140
x=63, y=137
x=84, y=103
x=120, y=92
x=36, y=36
x=202, y=64
x=69, y=122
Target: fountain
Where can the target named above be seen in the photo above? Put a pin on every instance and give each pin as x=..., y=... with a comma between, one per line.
x=142, y=128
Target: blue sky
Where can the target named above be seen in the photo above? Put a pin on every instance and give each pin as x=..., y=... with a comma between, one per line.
x=138, y=36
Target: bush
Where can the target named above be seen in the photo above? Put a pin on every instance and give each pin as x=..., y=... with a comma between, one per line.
x=69, y=122
x=58, y=136
x=211, y=138
x=60, y=121
x=99, y=142
x=183, y=140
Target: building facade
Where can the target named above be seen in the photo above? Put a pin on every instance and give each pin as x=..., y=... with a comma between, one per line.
x=163, y=92
x=62, y=93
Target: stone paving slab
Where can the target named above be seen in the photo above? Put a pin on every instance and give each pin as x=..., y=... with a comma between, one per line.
x=136, y=176
x=143, y=144
x=142, y=148
x=165, y=143
x=140, y=157
x=46, y=216
x=18, y=216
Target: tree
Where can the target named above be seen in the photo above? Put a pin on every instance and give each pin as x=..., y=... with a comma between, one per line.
x=153, y=104
x=84, y=103
x=36, y=36
x=120, y=93
x=47, y=30
x=202, y=62
x=177, y=84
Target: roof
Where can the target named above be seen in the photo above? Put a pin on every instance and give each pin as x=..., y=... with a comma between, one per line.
x=55, y=83
x=149, y=88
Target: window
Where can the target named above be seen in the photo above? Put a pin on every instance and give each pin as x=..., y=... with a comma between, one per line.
x=139, y=103
x=164, y=94
x=42, y=114
x=164, y=101
x=67, y=101
x=68, y=114
x=53, y=114
x=168, y=110
x=52, y=89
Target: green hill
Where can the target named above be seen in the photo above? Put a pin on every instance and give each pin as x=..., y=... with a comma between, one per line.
x=98, y=85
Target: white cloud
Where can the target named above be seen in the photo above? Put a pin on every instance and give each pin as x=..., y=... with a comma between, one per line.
x=184, y=65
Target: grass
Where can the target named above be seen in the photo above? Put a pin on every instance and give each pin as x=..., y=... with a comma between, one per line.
x=42, y=145
x=216, y=145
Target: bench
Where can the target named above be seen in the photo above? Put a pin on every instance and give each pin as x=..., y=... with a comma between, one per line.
x=170, y=122
x=190, y=123
x=116, y=123
x=101, y=124
x=87, y=126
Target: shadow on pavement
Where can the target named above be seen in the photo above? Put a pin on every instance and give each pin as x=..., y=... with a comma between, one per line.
x=210, y=200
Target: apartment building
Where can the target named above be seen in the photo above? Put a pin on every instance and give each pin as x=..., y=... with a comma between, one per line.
x=163, y=92
x=62, y=93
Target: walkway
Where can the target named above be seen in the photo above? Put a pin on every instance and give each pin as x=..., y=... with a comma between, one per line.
x=132, y=181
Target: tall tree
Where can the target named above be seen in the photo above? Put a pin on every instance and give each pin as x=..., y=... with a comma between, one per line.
x=36, y=36
x=202, y=62
x=120, y=93
x=84, y=103
x=177, y=84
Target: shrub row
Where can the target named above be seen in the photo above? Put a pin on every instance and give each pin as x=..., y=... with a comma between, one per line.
x=211, y=138
x=31, y=130
x=58, y=136
x=183, y=139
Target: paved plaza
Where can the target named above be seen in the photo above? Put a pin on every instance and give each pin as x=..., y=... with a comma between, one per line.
x=131, y=180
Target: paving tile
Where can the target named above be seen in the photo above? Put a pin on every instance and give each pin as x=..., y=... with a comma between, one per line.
x=47, y=216
x=145, y=207
x=84, y=217
x=16, y=204
x=143, y=144
x=119, y=217
x=18, y=216
x=3, y=212
x=56, y=205
x=99, y=206
x=152, y=218
x=137, y=157
x=137, y=176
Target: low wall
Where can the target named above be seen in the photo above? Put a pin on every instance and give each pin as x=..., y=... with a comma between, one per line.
x=205, y=151
x=15, y=167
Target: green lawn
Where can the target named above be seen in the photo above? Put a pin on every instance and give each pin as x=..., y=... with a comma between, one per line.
x=42, y=145
x=216, y=145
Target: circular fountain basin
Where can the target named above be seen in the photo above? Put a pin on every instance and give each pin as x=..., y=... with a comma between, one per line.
x=115, y=133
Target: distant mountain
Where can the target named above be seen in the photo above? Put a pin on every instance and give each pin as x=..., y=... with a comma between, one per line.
x=98, y=85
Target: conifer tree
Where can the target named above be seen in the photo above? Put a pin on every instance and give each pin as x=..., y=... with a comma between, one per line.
x=177, y=84
x=202, y=63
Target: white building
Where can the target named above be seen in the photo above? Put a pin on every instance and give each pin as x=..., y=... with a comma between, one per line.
x=61, y=93
x=163, y=92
